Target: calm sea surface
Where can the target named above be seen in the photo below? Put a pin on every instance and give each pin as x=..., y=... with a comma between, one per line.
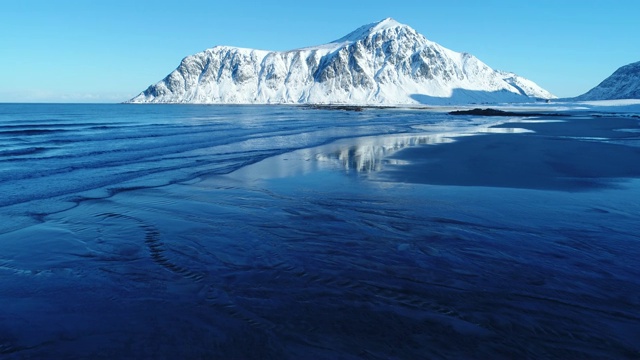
x=168, y=232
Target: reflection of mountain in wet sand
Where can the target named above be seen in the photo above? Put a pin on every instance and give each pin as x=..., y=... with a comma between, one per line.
x=369, y=154
x=365, y=155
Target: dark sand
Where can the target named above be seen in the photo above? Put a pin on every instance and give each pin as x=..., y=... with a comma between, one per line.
x=575, y=154
x=312, y=264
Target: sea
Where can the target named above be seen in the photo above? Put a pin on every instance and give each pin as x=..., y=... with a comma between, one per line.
x=271, y=232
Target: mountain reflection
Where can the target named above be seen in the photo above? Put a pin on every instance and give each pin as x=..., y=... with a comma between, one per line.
x=353, y=155
x=369, y=154
x=364, y=155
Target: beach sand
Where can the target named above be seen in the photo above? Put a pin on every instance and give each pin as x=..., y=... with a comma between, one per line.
x=303, y=256
x=574, y=154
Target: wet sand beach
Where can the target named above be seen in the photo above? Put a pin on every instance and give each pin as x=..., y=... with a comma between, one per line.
x=573, y=154
x=272, y=233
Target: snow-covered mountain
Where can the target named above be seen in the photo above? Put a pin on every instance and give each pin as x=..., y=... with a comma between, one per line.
x=624, y=83
x=525, y=87
x=384, y=63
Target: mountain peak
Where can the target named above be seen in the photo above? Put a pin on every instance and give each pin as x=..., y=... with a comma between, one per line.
x=376, y=27
x=385, y=24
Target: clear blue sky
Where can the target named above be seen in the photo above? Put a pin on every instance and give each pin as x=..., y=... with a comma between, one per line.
x=109, y=51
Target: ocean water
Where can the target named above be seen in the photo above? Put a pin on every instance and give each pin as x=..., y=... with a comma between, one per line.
x=175, y=231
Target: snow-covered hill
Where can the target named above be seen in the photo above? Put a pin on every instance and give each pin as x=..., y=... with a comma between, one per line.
x=624, y=83
x=384, y=63
x=525, y=86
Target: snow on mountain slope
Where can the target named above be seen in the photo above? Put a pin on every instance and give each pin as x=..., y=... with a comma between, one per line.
x=384, y=63
x=525, y=86
x=624, y=83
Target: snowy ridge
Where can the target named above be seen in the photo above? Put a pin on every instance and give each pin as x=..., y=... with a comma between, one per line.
x=384, y=63
x=624, y=83
x=526, y=86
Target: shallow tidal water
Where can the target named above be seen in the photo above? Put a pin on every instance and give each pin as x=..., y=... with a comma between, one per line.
x=272, y=232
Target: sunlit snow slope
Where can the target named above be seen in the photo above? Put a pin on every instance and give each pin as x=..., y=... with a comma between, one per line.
x=384, y=63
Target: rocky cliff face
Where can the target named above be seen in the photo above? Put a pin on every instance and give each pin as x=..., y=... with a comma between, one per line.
x=384, y=63
x=624, y=83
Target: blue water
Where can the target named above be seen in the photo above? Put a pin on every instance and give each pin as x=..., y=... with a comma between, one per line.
x=264, y=232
